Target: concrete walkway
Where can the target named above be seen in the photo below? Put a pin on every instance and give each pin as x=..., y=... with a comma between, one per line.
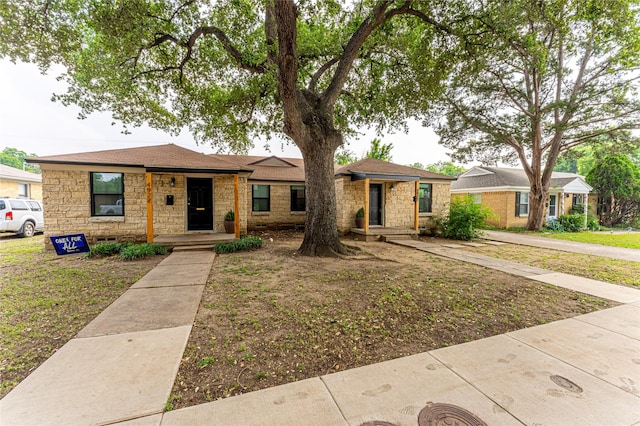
x=579, y=371
x=571, y=246
x=123, y=364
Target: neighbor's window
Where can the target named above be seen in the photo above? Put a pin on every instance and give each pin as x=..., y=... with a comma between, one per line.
x=522, y=203
x=297, y=198
x=260, y=198
x=424, y=198
x=107, y=194
x=23, y=190
x=577, y=199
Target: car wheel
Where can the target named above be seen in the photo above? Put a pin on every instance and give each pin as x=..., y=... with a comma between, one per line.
x=28, y=229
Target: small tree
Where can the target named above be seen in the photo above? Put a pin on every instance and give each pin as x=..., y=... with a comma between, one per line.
x=617, y=180
x=465, y=219
x=379, y=150
x=446, y=168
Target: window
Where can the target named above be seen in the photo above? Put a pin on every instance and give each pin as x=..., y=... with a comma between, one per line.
x=522, y=204
x=297, y=198
x=260, y=198
x=424, y=198
x=18, y=205
x=23, y=190
x=34, y=206
x=107, y=194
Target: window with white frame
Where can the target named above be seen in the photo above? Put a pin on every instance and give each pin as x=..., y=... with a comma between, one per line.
x=522, y=204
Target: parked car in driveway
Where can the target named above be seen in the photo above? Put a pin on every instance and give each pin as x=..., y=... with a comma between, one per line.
x=24, y=217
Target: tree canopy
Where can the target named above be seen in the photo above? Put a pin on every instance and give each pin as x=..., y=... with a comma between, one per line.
x=616, y=179
x=539, y=78
x=14, y=157
x=234, y=70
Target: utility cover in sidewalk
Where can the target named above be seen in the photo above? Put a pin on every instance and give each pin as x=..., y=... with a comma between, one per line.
x=447, y=414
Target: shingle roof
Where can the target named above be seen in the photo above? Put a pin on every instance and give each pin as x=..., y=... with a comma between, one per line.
x=379, y=167
x=11, y=173
x=268, y=168
x=172, y=157
x=505, y=177
x=169, y=156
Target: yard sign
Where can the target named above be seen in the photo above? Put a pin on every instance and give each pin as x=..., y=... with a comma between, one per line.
x=70, y=244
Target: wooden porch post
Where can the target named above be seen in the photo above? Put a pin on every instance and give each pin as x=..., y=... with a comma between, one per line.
x=236, y=205
x=366, y=205
x=149, y=191
x=416, y=206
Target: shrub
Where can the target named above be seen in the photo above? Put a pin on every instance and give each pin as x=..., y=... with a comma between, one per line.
x=107, y=249
x=244, y=243
x=139, y=251
x=464, y=220
x=360, y=212
x=127, y=251
x=577, y=209
x=230, y=216
x=572, y=222
x=555, y=225
x=592, y=222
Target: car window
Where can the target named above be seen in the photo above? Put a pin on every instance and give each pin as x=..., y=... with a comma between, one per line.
x=2, y=205
x=18, y=205
x=35, y=206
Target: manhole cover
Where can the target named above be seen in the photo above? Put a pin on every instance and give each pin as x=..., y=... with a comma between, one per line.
x=565, y=383
x=447, y=414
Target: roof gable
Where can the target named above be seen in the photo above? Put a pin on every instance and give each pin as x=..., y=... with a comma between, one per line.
x=272, y=161
x=515, y=179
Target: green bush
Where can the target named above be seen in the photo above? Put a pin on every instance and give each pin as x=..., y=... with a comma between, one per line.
x=555, y=225
x=230, y=216
x=244, y=243
x=572, y=222
x=360, y=212
x=127, y=251
x=107, y=249
x=593, y=224
x=139, y=251
x=464, y=221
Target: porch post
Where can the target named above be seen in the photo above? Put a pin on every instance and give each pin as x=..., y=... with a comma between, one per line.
x=586, y=209
x=416, y=206
x=149, y=193
x=561, y=212
x=366, y=205
x=236, y=206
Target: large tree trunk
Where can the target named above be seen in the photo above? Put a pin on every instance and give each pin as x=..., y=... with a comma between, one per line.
x=537, y=208
x=321, y=230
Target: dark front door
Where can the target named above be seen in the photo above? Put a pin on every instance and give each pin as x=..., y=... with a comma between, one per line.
x=200, y=204
x=375, y=204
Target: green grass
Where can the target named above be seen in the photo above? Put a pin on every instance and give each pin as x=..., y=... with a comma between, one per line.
x=626, y=240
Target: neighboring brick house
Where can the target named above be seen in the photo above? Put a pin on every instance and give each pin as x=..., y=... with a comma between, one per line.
x=16, y=183
x=138, y=194
x=506, y=192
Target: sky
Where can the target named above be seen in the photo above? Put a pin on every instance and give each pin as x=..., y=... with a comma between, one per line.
x=31, y=122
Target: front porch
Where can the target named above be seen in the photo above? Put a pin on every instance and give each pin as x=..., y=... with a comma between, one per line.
x=201, y=240
x=375, y=233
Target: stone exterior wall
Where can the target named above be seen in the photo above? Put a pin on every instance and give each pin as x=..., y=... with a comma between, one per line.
x=9, y=188
x=223, y=194
x=399, y=207
x=280, y=214
x=168, y=219
x=67, y=207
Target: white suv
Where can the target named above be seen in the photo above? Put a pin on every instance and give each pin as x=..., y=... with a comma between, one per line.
x=24, y=217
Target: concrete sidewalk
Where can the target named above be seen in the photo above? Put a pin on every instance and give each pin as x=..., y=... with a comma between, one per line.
x=571, y=246
x=123, y=364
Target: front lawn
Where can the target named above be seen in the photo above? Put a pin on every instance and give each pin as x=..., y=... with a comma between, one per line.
x=615, y=239
x=47, y=299
x=270, y=316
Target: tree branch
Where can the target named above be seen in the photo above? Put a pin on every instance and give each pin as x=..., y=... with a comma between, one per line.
x=324, y=68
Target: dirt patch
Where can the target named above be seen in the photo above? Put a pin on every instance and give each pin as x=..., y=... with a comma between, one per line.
x=271, y=317
x=47, y=299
